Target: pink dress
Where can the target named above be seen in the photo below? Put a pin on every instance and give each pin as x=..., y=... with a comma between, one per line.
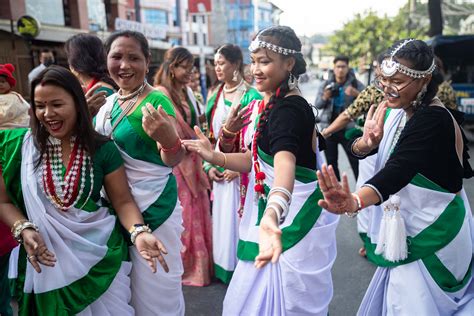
x=193, y=188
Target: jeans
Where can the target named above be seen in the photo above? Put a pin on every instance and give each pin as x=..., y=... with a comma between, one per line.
x=332, y=153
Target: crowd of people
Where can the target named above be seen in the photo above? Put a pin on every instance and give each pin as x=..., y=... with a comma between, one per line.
x=114, y=192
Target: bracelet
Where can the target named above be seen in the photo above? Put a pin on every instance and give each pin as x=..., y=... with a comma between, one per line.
x=136, y=230
x=19, y=228
x=277, y=212
x=18, y=222
x=281, y=190
x=226, y=131
x=173, y=150
x=225, y=160
x=360, y=205
x=356, y=151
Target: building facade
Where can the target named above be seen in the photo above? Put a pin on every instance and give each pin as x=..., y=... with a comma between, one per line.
x=246, y=17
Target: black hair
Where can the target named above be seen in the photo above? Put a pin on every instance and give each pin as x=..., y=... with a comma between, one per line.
x=173, y=57
x=285, y=37
x=341, y=58
x=84, y=131
x=86, y=54
x=46, y=50
x=233, y=54
x=420, y=57
x=139, y=37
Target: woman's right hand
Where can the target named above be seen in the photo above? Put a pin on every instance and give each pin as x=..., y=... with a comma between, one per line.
x=95, y=100
x=36, y=250
x=373, y=127
x=236, y=119
x=202, y=145
x=215, y=175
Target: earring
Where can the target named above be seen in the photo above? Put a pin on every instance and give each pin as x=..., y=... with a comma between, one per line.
x=417, y=102
x=292, y=82
x=172, y=75
x=236, y=76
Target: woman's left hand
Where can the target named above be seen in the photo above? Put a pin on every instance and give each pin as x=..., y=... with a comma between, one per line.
x=338, y=198
x=236, y=119
x=269, y=240
x=150, y=248
x=230, y=175
x=159, y=125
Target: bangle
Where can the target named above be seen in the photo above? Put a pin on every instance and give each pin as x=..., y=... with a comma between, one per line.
x=360, y=205
x=173, y=150
x=18, y=222
x=136, y=230
x=19, y=228
x=356, y=151
x=226, y=131
x=225, y=160
x=277, y=212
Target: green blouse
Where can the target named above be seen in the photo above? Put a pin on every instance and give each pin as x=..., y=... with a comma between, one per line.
x=129, y=134
x=130, y=137
x=106, y=160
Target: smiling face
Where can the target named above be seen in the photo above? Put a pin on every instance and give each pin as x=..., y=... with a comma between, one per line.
x=406, y=86
x=56, y=110
x=126, y=63
x=269, y=69
x=183, y=72
x=224, y=69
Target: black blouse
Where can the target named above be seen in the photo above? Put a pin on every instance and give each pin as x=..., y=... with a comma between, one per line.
x=426, y=146
x=290, y=128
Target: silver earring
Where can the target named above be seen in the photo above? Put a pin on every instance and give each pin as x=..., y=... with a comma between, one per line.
x=292, y=82
x=235, y=77
x=419, y=97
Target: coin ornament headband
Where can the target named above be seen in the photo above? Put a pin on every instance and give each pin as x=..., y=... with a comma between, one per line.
x=258, y=43
x=390, y=66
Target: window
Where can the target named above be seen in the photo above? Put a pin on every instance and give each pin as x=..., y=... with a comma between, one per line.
x=153, y=16
x=195, y=38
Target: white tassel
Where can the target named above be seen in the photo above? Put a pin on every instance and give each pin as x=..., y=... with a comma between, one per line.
x=396, y=238
x=383, y=230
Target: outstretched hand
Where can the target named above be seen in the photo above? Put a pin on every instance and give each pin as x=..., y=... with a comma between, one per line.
x=236, y=119
x=269, y=240
x=36, y=250
x=202, y=145
x=150, y=248
x=338, y=198
x=373, y=127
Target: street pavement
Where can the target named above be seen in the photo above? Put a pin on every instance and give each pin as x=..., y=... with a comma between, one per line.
x=351, y=273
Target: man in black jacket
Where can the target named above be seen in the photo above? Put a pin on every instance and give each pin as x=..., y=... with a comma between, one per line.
x=334, y=96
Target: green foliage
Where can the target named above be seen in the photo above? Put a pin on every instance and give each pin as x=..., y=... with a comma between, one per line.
x=368, y=34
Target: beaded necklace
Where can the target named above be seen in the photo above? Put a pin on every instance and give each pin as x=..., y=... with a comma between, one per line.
x=64, y=192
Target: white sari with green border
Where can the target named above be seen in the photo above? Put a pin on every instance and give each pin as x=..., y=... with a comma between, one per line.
x=300, y=283
x=436, y=277
x=90, y=276
x=154, y=189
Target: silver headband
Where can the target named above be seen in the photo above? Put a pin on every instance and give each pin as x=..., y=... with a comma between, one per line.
x=389, y=66
x=258, y=43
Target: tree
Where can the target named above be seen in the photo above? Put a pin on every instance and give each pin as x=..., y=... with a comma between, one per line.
x=368, y=34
